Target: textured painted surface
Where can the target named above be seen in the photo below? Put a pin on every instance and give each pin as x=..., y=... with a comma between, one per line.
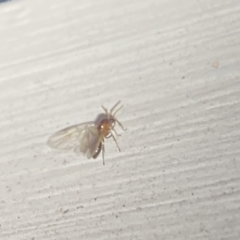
x=175, y=67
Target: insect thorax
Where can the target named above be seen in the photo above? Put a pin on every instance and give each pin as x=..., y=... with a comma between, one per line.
x=106, y=125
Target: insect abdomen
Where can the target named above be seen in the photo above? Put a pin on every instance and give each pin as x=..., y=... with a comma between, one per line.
x=98, y=150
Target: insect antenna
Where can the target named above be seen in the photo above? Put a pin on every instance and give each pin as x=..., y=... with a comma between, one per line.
x=114, y=107
x=113, y=114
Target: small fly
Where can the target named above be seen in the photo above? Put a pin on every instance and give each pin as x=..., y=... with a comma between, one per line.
x=88, y=138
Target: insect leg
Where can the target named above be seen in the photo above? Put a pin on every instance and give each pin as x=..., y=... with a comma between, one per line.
x=116, y=132
x=103, y=151
x=120, y=125
x=108, y=136
x=115, y=142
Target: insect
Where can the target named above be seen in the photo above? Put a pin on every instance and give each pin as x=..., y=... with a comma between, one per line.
x=88, y=138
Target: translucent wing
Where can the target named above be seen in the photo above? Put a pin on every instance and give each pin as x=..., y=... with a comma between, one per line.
x=82, y=138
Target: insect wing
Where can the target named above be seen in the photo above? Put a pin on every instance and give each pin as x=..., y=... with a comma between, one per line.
x=70, y=137
x=81, y=138
x=89, y=143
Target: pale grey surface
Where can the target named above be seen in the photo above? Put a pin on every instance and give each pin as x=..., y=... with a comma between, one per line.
x=175, y=66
